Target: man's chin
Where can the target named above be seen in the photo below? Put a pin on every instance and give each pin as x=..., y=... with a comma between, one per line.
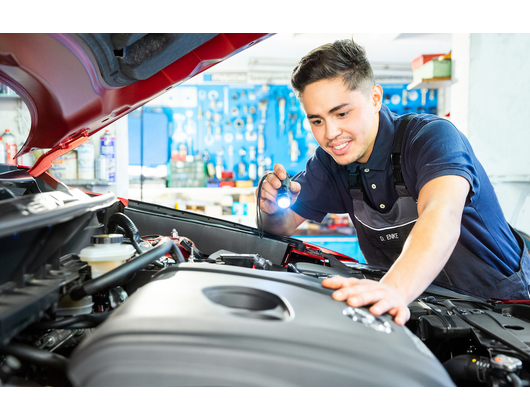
x=344, y=160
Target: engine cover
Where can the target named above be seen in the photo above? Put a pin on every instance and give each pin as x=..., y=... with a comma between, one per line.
x=213, y=325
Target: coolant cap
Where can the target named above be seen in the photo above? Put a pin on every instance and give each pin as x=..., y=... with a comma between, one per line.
x=111, y=238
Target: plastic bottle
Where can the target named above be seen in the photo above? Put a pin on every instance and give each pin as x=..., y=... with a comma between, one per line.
x=106, y=253
x=3, y=155
x=108, y=150
x=11, y=147
x=85, y=161
x=102, y=171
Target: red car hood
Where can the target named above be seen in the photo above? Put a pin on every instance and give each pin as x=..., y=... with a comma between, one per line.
x=76, y=84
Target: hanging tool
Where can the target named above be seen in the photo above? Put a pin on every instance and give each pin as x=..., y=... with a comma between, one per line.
x=191, y=130
x=252, y=170
x=242, y=166
x=299, y=129
x=199, y=138
x=262, y=106
x=261, y=140
x=294, y=151
x=208, y=139
x=225, y=90
x=219, y=168
x=281, y=106
x=250, y=135
x=230, y=157
x=424, y=96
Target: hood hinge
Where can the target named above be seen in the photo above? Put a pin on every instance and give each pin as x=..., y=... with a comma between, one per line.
x=45, y=161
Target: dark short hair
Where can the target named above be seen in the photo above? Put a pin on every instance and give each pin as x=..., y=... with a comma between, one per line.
x=343, y=58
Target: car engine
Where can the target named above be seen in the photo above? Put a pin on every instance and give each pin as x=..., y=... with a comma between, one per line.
x=98, y=291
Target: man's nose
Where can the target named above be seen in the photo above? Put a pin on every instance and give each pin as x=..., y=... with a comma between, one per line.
x=332, y=130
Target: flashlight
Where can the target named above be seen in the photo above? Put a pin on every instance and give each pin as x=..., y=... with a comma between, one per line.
x=284, y=193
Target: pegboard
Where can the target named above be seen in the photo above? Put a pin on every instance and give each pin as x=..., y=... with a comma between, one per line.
x=243, y=128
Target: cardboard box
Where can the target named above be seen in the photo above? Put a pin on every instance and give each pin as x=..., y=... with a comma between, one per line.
x=432, y=69
x=422, y=59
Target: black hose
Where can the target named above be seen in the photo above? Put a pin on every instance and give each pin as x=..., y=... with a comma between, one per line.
x=120, y=220
x=123, y=221
x=514, y=379
x=87, y=319
x=37, y=356
x=118, y=276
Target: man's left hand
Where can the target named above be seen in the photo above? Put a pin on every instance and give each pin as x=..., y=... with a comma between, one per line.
x=358, y=292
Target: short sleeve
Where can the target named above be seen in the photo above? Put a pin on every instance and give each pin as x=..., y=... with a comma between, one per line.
x=435, y=149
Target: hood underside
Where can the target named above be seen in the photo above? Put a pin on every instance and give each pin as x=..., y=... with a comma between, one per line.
x=76, y=84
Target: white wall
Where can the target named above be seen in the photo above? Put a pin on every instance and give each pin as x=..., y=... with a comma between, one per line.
x=489, y=103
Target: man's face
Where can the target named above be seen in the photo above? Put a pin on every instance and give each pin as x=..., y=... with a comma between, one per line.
x=344, y=122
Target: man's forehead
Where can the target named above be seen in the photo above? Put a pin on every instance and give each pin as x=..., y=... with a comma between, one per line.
x=318, y=99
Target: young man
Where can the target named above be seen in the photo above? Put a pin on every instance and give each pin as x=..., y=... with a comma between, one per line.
x=420, y=200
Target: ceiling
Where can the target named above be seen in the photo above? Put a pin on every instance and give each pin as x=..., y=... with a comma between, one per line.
x=282, y=51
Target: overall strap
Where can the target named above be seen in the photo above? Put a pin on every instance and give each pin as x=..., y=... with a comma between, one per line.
x=355, y=182
x=354, y=174
x=395, y=157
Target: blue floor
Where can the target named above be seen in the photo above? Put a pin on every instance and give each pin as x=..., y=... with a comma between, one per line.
x=347, y=245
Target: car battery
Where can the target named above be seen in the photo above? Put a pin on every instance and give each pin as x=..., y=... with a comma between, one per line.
x=202, y=324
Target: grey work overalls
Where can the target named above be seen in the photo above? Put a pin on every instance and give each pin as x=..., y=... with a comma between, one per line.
x=381, y=238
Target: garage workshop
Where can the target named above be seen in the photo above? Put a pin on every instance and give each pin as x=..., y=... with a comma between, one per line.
x=270, y=210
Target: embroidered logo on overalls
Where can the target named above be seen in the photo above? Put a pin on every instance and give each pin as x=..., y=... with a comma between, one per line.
x=389, y=237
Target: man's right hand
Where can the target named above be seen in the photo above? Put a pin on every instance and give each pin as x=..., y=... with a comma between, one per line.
x=272, y=218
x=269, y=190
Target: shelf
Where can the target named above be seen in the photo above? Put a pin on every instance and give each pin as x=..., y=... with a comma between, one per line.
x=435, y=83
x=73, y=182
x=5, y=95
x=192, y=191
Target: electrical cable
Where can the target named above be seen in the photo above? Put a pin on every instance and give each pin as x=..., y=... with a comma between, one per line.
x=259, y=217
x=86, y=319
x=283, y=199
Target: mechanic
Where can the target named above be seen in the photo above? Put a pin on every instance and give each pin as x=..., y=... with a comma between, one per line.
x=424, y=208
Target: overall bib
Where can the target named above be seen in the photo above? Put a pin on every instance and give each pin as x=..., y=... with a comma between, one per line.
x=382, y=236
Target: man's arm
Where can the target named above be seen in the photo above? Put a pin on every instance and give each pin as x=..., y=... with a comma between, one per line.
x=428, y=247
x=276, y=220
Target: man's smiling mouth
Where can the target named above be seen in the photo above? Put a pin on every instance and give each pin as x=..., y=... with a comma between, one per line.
x=341, y=146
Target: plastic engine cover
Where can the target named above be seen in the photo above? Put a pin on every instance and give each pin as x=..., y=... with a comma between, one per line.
x=210, y=325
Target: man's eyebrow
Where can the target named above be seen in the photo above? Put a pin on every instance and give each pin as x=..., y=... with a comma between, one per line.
x=331, y=111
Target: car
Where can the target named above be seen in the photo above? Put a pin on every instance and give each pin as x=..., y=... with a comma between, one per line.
x=97, y=290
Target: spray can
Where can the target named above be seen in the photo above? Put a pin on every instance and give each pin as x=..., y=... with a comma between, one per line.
x=11, y=147
x=3, y=155
x=85, y=161
x=108, y=150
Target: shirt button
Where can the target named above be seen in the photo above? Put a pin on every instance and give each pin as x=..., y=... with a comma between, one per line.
x=366, y=170
x=374, y=186
x=382, y=206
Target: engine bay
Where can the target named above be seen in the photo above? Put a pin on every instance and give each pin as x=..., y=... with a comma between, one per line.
x=97, y=291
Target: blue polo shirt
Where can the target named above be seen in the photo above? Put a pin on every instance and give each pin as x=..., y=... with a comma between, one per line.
x=432, y=147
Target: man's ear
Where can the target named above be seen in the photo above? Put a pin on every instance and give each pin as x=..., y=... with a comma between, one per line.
x=377, y=97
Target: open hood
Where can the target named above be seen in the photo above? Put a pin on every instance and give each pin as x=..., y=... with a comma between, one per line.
x=76, y=84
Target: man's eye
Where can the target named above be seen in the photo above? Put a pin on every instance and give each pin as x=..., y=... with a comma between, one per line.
x=316, y=122
x=342, y=114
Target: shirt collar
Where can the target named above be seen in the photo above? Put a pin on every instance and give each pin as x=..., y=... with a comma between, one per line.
x=384, y=141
